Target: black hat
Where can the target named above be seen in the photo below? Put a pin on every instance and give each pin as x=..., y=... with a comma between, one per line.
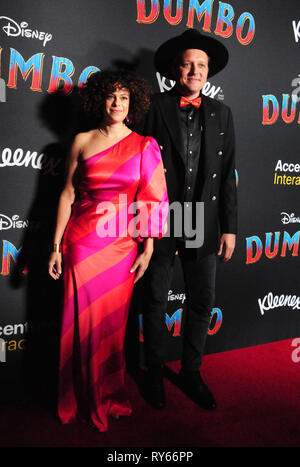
x=190, y=39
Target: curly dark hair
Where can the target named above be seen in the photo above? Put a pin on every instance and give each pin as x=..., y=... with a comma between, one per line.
x=100, y=84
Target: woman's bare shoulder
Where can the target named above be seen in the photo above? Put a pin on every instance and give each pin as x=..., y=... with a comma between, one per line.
x=81, y=140
x=84, y=137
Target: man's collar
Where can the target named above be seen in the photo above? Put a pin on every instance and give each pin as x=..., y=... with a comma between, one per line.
x=176, y=92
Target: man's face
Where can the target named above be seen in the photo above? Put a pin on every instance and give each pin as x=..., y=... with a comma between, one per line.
x=191, y=73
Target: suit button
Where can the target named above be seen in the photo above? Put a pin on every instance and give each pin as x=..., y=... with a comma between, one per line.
x=214, y=198
x=214, y=175
x=220, y=153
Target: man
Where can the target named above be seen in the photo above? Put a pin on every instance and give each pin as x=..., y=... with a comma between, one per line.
x=197, y=145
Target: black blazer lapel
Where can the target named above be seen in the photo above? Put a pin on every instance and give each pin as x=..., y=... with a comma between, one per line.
x=168, y=108
x=210, y=137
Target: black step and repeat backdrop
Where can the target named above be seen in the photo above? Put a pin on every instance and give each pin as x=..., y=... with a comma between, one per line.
x=47, y=50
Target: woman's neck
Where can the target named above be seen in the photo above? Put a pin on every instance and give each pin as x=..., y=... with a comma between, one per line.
x=113, y=130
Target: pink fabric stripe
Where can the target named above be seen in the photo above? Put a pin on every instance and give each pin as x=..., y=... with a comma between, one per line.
x=104, y=152
x=90, y=345
x=149, y=164
x=158, y=217
x=92, y=238
x=114, y=364
x=108, y=326
x=97, y=286
x=157, y=214
x=125, y=178
x=93, y=159
x=115, y=296
x=122, y=175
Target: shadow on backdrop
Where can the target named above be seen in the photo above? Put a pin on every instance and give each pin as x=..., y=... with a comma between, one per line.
x=61, y=114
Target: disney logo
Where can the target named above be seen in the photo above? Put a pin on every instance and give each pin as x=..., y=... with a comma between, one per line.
x=12, y=222
x=289, y=218
x=296, y=91
x=13, y=29
x=176, y=296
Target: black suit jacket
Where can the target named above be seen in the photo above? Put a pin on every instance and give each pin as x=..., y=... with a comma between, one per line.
x=216, y=184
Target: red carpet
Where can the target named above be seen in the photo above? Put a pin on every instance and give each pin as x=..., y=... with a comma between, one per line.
x=258, y=395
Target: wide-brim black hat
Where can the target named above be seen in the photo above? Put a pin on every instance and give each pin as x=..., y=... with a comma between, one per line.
x=190, y=39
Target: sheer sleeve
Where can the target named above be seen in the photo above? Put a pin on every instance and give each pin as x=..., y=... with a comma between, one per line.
x=152, y=196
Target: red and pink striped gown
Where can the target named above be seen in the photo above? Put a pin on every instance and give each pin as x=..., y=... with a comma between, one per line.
x=98, y=284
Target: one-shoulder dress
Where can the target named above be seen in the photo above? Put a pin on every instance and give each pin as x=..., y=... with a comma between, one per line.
x=99, y=247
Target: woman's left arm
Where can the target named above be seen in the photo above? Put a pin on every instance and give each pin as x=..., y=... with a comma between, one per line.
x=142, y=261
x=152, y=197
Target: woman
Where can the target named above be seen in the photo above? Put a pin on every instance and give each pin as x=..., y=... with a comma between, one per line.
x=114, y=167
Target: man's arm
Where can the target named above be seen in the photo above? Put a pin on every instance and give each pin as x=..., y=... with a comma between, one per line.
x=228, y=194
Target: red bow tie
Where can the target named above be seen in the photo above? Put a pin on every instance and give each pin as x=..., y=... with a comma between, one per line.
x=195, y=102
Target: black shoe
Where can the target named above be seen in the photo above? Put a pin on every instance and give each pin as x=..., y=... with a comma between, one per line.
x=156, y=390
x=194, y=386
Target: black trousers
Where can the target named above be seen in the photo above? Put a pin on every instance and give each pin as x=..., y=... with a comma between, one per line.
x=199, y=277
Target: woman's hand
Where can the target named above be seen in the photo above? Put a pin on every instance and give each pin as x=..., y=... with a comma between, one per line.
x=142, y=261
x=55, y=263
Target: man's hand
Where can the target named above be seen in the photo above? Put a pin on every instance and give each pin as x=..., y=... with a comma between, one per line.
x=227, y=244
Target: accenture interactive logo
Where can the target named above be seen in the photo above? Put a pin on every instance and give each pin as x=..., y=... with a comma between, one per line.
x=287, y=173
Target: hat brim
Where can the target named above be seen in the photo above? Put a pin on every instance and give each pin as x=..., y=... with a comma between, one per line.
x=191, y=39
